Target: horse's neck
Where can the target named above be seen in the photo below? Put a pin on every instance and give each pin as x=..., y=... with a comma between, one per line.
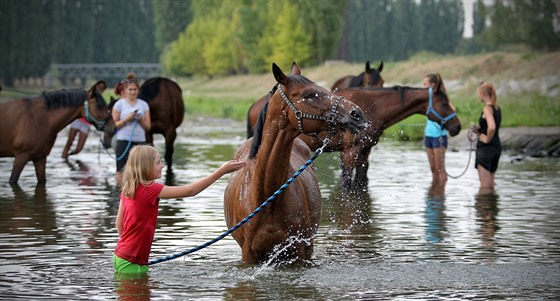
x=59, y=118
x=273, y=159
x=412, y=102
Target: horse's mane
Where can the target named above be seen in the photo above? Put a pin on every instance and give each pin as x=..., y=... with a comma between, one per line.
x=150, y=89
x=64, y=98
x=258, y=130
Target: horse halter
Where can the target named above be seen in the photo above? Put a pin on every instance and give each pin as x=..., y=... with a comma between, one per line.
x=430, y=109
x=329, y=118
x=99, y=125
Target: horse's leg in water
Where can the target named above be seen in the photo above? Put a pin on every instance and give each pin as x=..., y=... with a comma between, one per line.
x=17, y=168
x=347, y=165
x=362, y=165
x=170, y=136
x=41, y=170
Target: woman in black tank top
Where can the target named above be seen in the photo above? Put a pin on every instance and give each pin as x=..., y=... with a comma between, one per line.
x=488, y=147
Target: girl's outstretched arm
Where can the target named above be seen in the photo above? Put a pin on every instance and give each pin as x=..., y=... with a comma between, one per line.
x=169, y=192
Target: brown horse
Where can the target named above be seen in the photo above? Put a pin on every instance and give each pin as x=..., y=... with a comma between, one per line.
x=369, y=78
x=167, y=110
x=383, y=107
x=165, y=98
x=30, y=126
x=297, y=106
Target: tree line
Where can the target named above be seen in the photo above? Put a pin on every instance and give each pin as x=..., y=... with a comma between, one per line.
x=221, y=37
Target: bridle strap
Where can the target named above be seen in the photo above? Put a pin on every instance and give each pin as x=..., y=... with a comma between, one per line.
x=99, y=125
x=330, y=118
x=430, y=109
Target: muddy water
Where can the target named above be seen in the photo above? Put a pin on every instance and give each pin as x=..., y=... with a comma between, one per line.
x=401, y=239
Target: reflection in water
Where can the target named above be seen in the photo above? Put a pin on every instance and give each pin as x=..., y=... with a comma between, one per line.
x=27, y=217
x=81, y=173
x=350, y=209
x=486, y=205
x=132, y=286
x=435, y=213
x=242, y=291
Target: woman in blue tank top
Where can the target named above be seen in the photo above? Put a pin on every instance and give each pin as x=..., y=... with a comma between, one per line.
x=435, y=136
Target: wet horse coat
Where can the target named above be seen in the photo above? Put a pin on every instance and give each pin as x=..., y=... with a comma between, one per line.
x=273, y=155
x=383, y=107
x=371, y=77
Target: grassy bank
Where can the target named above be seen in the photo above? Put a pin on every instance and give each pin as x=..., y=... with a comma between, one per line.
x=523, y=81
x=528, y=87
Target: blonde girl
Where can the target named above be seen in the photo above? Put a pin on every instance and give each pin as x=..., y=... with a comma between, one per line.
x=138, y=209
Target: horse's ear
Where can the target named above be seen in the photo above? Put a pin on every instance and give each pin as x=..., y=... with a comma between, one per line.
x=280, y=77
x=437, y=87
x=380, y=67
x=295, y=69
x=368, y=68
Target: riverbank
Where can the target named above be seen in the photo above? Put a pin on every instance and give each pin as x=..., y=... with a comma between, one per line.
x=528, y=141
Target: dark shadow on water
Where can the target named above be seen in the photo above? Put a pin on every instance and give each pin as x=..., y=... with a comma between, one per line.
x=486, y=205
x=434, y=213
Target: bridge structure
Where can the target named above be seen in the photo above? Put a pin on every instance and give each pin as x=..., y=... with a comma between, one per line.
x=110, y=72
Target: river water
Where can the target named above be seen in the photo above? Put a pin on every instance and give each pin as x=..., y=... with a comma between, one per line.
x=401, y=239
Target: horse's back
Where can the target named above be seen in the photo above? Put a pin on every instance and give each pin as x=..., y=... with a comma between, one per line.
x=165, y=98
x=342, y=83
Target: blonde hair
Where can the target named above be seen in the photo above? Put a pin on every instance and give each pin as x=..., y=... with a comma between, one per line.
x=487, y=89
x=435, y=78
x=139, y=169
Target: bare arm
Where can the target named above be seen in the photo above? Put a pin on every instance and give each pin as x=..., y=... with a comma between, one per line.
x=489, y=116
x=119, y=220
x=195, y=188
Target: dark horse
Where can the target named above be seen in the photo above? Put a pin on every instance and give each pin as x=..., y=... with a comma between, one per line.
x=167, y=110
x=383, y=107
x=297, y=106
x=30, y=126
x=165, y=99
x=369, y=78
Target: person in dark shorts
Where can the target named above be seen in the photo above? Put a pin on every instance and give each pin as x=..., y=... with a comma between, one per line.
x=488, y=147
x=435, y=136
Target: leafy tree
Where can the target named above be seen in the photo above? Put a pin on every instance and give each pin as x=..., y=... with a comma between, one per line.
x=289, y=40
x=170, y=18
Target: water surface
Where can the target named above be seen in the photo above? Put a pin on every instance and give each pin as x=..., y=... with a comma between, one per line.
x=400, y=239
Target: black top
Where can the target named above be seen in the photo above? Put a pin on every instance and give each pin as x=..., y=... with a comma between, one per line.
x=497, y=113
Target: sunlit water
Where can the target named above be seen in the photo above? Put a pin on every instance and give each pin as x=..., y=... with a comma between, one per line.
x=398, y=240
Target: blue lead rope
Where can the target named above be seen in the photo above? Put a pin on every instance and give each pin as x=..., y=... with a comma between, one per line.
x=128, y=145
x=246, y=219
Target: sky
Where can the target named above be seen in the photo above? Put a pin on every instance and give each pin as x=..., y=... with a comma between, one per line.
x=468, y=7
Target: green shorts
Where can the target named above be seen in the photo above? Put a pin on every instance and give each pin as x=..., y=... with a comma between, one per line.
x=127, y=267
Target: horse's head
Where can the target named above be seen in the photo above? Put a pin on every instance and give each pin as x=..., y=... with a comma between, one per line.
x=315, y=109
x=372, y=77
x=97, y=113
x=442, y=111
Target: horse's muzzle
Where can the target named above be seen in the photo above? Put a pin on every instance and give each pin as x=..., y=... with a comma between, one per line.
x=355, y=121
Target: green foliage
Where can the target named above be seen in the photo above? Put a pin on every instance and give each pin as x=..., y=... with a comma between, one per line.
x=170, y=19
